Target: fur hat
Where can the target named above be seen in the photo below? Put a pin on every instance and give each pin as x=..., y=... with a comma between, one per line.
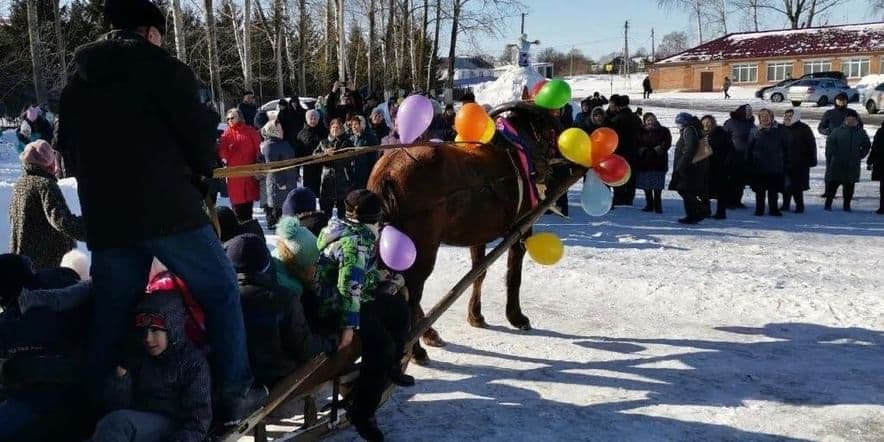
x=300, y=242
x=683, y=119
x=40, y=154
x=248, y=253
x=363, y=206
x=78, y=262
x=300, y=200
x=131, y=14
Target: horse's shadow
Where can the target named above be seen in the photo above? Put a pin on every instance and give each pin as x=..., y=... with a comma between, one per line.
x=795, y=364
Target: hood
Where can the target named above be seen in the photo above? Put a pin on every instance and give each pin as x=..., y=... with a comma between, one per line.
x=112, y=58
x=740, y=114
x=169, y=307
x=339, y=228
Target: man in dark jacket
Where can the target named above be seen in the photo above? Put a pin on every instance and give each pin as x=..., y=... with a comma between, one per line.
x=833, y=119
x=249, y=109
x=768, y=160
x=646, y=86
x=308, y=140
x=628, y=127
x=597, y=100
x=689, y=178
x=739, y=126
x=875, y=162
x=802, y=157
x=845, y=149
x=151, y=206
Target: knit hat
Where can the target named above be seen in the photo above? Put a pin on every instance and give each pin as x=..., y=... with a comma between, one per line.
x=40, y=154
x=683, y=119
x=363, y=206
x=131, y=14
x=18, y=272
x=227, y=223
x=620, y=100
x=248, y=253
x=598, y=110
x=300, y=242
x=300, y=200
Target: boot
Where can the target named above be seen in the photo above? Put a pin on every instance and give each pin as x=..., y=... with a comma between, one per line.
x=759, y=203
x=799, y=202
x=847, y=204
x=787, y=202
x=720, y=211
x=367, y=427
x=240, y=406
x=658, y=201
x=401, y=379
x=828, y=206
x=773, y=208
x=649, y=201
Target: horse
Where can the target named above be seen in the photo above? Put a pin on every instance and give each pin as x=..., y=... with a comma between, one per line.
x=467, y=197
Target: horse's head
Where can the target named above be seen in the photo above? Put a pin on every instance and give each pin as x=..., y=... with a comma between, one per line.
x=538, y=128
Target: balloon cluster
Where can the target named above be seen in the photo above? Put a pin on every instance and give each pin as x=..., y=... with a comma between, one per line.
x=473, y=125
x=596, y=152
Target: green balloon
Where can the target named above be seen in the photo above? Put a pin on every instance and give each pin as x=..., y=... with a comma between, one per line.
x=554, y=94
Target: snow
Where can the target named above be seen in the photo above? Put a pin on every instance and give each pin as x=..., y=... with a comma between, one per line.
x=752, y=328
x=507, y=87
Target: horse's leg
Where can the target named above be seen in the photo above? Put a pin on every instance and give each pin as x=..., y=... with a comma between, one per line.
x=513, y=284
x=474, y=311
x=415, y=279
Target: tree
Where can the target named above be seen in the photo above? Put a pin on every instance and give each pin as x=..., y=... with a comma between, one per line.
x=36, y=52
x=212, y=44
x=59, y=42
x=180, y=49
x=431, y=65
x=751, y=11
x=801, y=13
x=672, y=43
x=696, y=8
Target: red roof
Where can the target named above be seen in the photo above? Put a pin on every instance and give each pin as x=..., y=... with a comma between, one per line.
x=842, y=39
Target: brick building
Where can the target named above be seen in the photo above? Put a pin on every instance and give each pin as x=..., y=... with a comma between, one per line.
x=759, y=58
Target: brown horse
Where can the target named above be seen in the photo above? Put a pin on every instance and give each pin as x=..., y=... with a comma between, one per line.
x=465, y=197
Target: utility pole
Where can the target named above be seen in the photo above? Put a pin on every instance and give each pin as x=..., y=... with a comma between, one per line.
x=624, y=67
x=523, y=23
x=572, y=61
x=653, y=52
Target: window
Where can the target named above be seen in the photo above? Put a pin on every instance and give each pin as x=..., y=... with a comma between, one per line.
x=855, y=67
x=880, y=87
x=812, y=67
x=744, y=73
x=779, y=71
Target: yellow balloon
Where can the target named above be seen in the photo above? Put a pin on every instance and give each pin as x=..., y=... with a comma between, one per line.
x=575, y=145
x=490, y=130
x=545, y=248
x=459, y=139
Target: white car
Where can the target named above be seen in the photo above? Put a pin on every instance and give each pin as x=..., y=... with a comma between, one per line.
x=821, y=91
x=779, y=93
x=873, y=99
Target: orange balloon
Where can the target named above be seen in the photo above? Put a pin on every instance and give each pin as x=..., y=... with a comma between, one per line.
x=604, y=143
x=471, y=121
x=460, y=142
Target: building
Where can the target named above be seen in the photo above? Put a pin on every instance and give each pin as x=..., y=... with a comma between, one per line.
x=467, y=71
x=759, y=58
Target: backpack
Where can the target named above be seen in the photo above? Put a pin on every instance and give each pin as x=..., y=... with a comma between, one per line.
x=195, y=319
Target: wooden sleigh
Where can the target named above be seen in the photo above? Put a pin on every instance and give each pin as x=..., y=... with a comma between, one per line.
x=339, y=372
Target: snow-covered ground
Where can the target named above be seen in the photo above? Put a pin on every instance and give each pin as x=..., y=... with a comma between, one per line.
x=745, y=329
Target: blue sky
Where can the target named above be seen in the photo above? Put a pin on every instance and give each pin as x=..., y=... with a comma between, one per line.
x=596, y=26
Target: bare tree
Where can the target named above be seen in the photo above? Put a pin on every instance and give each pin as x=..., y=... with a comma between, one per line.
x=59, y=43
x=372, y=11
x=801, y=13
x=877, y=7
x=696, y=8
x=718, y=14
x=248, y=79
x=214, y=64
x=36, y=52
x=751, y=10
x=452, y=49
x=673, y=43
x=302, y=46
x=177, y=22
x=431, y=65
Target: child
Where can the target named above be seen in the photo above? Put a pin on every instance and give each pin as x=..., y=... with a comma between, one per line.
x=301, y=203
x=347, y=279
x=42, y=226
x=163, y=392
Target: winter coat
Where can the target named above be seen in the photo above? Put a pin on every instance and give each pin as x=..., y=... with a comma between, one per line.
x=346, y=272
x=40, y=130
x=768, y=152
x=364, y=163
x=726, y=85
x=720, y=162
x=802, y=155
x=309, y=139
x=279, y=184
x=313, y=221
x=686, y=175
x=876, y=157
x=249, y=112
x=833, y=119
x=43, y=228
x=380, y=130
x=628, y=127
x=599, y=101
x=740, y=128
x=175, y=384
x=646, y=84
x=291, y=118
x=158, y=151
x=653, y=151
x=845, y=149
x=279, y=339
x=337, y=176
x=240, y=145
x=337, y=110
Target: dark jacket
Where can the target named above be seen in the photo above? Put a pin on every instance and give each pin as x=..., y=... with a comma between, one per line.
x=364, y=163
x=740, y=127
x=686, y=175
x=720, y=162
x=845, y=149
x=156, y=153
x=876, y=157
x=380, y=130
x=279, y=184
x=279, y=339
x=833, y=119
x=175, y=384
x=646, y=84
x=249, y=113
x=768, y=152
x=42, y=226
x=40, y=130
x=653, y=151
x=291, y=118
x=338, y=110
x=309, y=139
x=595, y=102
x=628, y=127
x=337, y=176
x=802, y=155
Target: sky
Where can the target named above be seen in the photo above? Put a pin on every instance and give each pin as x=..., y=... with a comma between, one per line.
x=596, y=26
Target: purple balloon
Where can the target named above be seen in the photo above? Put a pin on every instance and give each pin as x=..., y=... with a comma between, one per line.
x=397, y=250
x=414, y=117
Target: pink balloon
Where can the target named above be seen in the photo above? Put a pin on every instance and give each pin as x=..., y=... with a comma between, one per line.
x=414, y=117
x=397, y=249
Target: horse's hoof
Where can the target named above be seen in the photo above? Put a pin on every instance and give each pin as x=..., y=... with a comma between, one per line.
x=433, y=341
x=422, y=359
x=521, y=323
x=477, y=322
x=525, y=327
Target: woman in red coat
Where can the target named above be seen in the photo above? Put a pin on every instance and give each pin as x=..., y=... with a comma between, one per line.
x=240, y=145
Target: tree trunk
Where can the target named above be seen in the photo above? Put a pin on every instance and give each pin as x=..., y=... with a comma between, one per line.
x=371, y=45
x=389, y=45
x=214, y=65
x=177, y=20
x=342, y=60
x=422, y=49
x=248, y=79
x=287, y=39
x=723, y=15
x=36, y=52
x=431, y=65
x=302, y=46
x=755, y=7
x=59, y=43
x=411, y=47
x=697, y=10
x=452, y=50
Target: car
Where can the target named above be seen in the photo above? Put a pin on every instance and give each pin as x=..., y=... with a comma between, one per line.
x=828, y=74
x=874, y=99
x=270, y=107
x=778, y=92
x=821, y=91
x=760, y=93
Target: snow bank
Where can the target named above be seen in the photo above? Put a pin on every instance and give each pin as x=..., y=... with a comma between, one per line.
x=508, y=86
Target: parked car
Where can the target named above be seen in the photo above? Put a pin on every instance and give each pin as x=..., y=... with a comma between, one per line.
x=874, y=99
x=760, y=93
x=270, y=107
x=828, y=74
x=821, y=91
x=778, y=92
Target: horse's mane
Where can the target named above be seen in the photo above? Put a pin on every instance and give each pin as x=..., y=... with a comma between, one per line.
x=537, y=127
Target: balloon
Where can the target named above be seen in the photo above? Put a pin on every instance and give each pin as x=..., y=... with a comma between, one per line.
x=463, y=143
x=596, y=197
x=490, y=130
x=604, y=143
x=396, y=249
x=536, y=88
x=574, y=144
x=414, y=118
x=613, y=170
x=625, y=178
x=545, y=248
x=471, y=122
x=554, y=94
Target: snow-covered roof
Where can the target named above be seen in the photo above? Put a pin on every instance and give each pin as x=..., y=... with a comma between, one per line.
x=825, y=40
x=467, y=63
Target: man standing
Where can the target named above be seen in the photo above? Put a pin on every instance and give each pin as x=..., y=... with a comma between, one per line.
x=249, y=109
x=646, y=85
x=833, y=119
x=845, y=149
x=628, y=127
x=140, y=186
x=726, y=86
